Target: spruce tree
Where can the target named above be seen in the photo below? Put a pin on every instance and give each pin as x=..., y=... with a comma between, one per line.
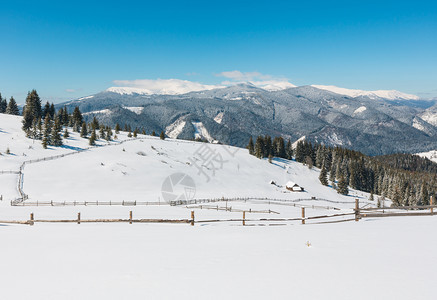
x=66, y=134
x=93, y=137
x=117, y=128
x=108, y=133
x=84, y=130
x=52, y=111
x=136, y=133
x=289, y=150
x=153, y=133
x=46, y=110
x=162, y=135
x=250, y=146
x=323, y=177
x=102, y=132
x=46, y=132
x=77, y=119
x=55, y=136
x=259, y=147
x=31, y=110
x=12, y=107
x=3, y=104
x=342, y=187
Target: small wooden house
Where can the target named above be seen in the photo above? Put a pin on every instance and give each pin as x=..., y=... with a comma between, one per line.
x=294, y=187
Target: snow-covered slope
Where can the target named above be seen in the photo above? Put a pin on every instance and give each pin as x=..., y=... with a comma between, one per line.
x=386, y=94
x=167, y=261
x=432, y=155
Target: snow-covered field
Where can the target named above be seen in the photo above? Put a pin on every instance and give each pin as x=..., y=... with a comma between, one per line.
x=390, y=258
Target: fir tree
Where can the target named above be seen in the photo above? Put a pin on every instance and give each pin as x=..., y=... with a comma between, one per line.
x=323, y=177
x=52, y=111
x=102, y=132
x=108, y=133
x=12, y=107
x=66, y=134
x=46, y=132
x=259, y=147
x=55, y=137
x=342, y=187
x=250, y=146
x=46, y=110
x=136, y=133
x=77, y=119
x=162, y=135
x=117, y=128
x=153, y=133
x=93, y=137
x=3, y=104
x=84, y=130
x=289, y=150
x=31, y=110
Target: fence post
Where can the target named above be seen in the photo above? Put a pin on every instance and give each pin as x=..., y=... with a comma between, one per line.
x=130, y=217
x=244, y=218
x=192, y=218
x=357, y=210
x=431, y=198
x=303, y=215
x=31, y=219
x=78, y=218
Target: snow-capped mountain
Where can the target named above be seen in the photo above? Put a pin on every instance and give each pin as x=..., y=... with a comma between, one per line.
x=158, y=87
x=385, y=94
x=232, y=114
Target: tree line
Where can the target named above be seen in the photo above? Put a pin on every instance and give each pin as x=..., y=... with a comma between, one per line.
x=406, y=179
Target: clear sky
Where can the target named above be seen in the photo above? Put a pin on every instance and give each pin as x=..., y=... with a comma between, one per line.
x=69, y=49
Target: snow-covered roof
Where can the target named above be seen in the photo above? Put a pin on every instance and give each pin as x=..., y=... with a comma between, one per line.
x=291, y=184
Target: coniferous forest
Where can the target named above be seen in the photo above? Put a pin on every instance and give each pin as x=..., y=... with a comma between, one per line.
x=406, y=179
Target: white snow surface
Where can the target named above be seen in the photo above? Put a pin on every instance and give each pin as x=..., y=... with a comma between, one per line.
x=386, y=94
x=136, y=109
x=102, y=111
x=200, y=131
x=360, y=109
x=430, y=117
x=168, y=261
x=431, y=155
x=219, y=118
x=174, y=129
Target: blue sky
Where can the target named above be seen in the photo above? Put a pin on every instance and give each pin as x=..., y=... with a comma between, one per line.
x=69, y=49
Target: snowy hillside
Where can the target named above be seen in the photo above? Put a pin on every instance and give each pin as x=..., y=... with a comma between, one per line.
x=267, y=260
x=432, y=155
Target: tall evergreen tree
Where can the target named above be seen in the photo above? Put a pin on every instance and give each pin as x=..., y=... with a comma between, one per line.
x=162, y=135
x=117, y=128
x=31, y=110
x=52, y=111
x=46, y=132
x=250, y=146
x=84, y=130
x=55, y=136
x=46, y=110
x=77, y=119
x=3, y=104
x=342, y=187
x=259, y=147
x=93, y=137
x=323, y=177
x=12, y=107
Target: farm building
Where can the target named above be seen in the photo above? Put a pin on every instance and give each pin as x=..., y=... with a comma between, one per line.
x=294, y=187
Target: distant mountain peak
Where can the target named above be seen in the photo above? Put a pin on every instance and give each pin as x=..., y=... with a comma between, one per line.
x=386, y=94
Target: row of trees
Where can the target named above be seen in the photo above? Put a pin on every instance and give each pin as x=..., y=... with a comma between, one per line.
x=10, y=108
x=392, y=179
x=265, y=147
